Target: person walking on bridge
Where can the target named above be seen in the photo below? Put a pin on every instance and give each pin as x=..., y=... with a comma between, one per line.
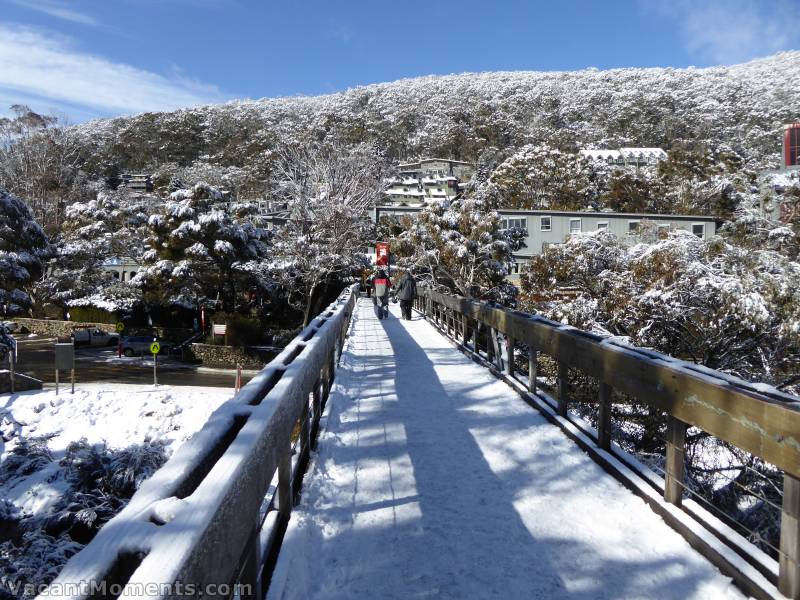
x=380, y=293
x=406, y=293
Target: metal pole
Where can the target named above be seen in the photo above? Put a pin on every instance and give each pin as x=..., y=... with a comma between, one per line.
x=56, y=382
x=155, y=377
x=11, y=364
x=73, y=380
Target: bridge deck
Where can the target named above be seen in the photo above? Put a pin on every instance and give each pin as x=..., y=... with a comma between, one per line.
x=434, y=479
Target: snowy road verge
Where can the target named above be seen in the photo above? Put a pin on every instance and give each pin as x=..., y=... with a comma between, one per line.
x=435, y=479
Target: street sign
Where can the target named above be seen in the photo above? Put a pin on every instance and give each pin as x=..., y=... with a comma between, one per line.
x=220, y=328
x=155, y=348
x=65, y=356
x=65, y=359
x=120, y=327
x=382, y=254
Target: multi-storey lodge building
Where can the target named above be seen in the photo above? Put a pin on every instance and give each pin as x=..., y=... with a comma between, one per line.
x=428, y=179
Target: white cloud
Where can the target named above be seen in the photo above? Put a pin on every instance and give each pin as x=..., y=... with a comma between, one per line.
x=59, y=10
x=731, y=31
x=39, y=64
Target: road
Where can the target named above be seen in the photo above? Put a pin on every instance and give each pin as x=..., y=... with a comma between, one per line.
x=36, y=358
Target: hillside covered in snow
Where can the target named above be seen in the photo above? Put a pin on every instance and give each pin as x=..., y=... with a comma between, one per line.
x=476, y=117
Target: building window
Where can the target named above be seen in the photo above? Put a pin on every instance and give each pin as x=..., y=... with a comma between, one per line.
x=699, y=229
x=633, y=227
x=574, y=226
x=546, y=224
x=116, y=275
x=602, y=225
x=514, y=223
x=663, y=229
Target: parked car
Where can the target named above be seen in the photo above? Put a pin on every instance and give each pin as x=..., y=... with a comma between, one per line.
x=9, y=326
x=140, y=344
x=94, y=336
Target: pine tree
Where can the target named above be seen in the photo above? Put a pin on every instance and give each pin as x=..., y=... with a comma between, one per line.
x=23, y=245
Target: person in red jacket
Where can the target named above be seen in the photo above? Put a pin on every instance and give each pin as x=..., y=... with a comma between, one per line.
x=380, y=292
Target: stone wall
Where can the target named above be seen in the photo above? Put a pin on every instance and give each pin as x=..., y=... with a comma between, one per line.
x=21, y=383
x=228, y=357
x=54, y=328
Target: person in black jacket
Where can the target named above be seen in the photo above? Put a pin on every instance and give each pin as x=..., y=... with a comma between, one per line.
x=406, y=291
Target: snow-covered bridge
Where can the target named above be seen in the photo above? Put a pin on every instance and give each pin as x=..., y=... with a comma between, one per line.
x=434, y=479
x=434, y=476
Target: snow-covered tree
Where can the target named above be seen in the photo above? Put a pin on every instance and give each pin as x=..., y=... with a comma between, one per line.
x=23, y=244
x=462, y=246
x=39, y=161
x=94, y=233
x=201, y=249
x=723, y=306
x=327, y=191
x=541, y=177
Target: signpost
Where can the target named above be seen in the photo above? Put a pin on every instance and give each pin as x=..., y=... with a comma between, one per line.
x=120, y=327
x=12, y=358
x=155, y=348
x=65, y=359
x=221, y=329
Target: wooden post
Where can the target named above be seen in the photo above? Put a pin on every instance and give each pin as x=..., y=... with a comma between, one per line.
x=464, y=330
x=789, y=559
x=326, y=385
x=285, y=482
x=563, y=388
x=510, y=343
x=532, y=369
x=11, y=369
x=305, y=429
x=673, y=478
x=497, y=352
x=316, y=411
x=250, y=576
x=604, y=417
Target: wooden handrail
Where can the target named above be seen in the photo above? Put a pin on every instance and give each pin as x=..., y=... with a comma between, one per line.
x=753, y=417
x=209, y=519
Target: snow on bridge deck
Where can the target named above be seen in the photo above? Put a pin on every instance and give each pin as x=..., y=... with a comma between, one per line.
x=435, y=480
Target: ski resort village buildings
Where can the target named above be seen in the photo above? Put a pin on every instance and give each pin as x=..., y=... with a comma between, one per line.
x=428, y=179
x=544, y=228
x=637, y=157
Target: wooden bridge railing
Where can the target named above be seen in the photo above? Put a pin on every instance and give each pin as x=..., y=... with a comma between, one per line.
x=208, y=523
x=754, y=418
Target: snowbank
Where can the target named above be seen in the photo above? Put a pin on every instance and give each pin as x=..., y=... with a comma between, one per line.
x=69, y=462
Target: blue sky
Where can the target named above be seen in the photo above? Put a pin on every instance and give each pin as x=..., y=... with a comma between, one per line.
x=90, y=58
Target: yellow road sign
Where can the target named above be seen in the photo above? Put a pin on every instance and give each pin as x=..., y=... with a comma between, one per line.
x=120, y=327
x=155, y=348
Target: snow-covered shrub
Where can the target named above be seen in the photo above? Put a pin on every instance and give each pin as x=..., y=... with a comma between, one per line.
x=26, y=457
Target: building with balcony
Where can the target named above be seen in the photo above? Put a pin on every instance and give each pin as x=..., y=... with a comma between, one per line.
x=429, y=179
x=637, y=157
